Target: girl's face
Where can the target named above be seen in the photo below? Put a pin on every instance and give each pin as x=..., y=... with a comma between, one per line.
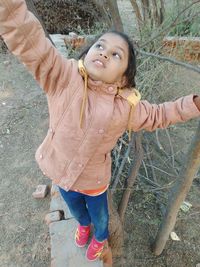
x=107, y=59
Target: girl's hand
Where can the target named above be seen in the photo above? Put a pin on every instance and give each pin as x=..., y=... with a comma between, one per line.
x=197, y=102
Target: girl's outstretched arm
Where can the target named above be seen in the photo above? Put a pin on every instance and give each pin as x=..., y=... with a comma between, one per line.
x=25, y=38
x=151, y=116
x=197, y=102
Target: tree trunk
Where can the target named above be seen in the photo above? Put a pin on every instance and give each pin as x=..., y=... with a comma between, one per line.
x=116, y=236
x=117, y=23
x=155, y=14
x=101, y=5
x=145, y=9
x=162, y=11
x=32, y=8
x=137, y=13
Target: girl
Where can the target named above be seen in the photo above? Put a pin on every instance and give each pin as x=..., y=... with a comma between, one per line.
x=91, y=104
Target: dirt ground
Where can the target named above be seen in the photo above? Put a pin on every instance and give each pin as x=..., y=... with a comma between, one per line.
x=23, y=233
x=24, y=238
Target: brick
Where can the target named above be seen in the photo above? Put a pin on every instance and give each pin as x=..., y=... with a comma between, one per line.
x=41, y=191
x=57, y=202
x=182, y=48
x=6, y=63
x=53, y=217
x=54, y=190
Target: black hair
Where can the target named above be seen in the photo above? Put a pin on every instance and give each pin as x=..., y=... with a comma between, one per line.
x=131, y=68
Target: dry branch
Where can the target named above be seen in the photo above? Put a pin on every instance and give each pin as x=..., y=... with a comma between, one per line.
x=121, y=167
x=132, y=177
x=171, y=60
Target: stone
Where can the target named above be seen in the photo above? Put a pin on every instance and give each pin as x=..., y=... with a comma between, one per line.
x=57, y=202
x=6, y=63
x=41, y=191
x=53, y=217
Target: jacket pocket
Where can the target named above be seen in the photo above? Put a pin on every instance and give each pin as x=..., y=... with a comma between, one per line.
x=95, y=169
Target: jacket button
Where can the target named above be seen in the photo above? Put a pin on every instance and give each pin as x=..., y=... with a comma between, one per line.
x=80, y=165
x=44, y=173
x=50, y=130
x=41, y=156
x=98, y=182
x=110, y=89
x=101, y=131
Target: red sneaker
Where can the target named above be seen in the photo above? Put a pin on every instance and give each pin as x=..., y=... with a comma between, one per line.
x=82, y=235
x=95, y=249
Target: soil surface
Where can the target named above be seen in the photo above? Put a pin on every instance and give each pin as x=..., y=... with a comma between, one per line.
x=23, y=234
x=24, y=238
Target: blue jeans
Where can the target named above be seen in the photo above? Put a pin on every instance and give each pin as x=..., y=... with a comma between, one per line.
x=89, y=209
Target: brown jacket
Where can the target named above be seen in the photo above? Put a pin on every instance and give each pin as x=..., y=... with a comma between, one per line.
x=74, y=157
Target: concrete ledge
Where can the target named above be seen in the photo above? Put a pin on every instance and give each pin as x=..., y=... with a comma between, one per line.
x=64, y=252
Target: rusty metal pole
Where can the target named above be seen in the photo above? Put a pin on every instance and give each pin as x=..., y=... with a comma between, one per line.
x=178, y=193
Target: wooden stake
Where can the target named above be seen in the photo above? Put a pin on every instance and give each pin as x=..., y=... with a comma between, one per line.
x=178, y=193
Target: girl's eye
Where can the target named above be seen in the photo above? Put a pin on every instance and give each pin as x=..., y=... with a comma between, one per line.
x=117, y=55
x=99, y=46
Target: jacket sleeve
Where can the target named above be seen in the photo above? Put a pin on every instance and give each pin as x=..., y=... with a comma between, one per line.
x=151, y=116
x=25, y=38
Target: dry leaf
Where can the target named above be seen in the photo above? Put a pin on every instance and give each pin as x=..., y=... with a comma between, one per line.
x=186, y=206
x=174, y=236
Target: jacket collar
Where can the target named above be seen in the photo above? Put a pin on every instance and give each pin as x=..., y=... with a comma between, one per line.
x=101, y=87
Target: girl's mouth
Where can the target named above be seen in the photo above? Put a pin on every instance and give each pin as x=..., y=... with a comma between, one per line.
x=99, y=63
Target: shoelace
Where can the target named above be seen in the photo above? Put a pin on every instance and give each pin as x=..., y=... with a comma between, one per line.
x=99, y=252
x=77, y=234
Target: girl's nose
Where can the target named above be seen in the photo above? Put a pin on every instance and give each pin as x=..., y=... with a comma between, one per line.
x=105, y=55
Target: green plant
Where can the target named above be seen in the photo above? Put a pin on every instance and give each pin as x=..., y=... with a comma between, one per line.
x=186, y=19
x=187, y=28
